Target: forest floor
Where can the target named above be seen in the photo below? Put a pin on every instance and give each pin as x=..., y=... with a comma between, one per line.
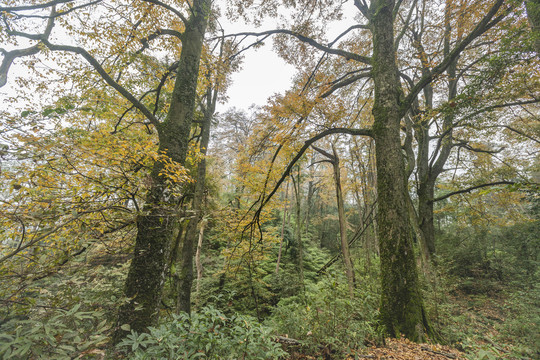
x=395, y=349
x=490, y=326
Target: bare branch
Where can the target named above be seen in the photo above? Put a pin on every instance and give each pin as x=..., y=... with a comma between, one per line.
x=467, y=190
x=331, y=157
x=345, y=82
x=170, y=8
x=10, y=56
x=57, y=14
x=484, y=25
x=364, y=9
x=35, y=7
x=345, y=54
x=465, y=144
x=516, y=131
x=300, y=153
x=145, y=41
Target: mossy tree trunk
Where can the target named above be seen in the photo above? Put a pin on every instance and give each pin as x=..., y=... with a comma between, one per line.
x=533, y=13
x=402, y=309
x=185, y=273
x=157, y=225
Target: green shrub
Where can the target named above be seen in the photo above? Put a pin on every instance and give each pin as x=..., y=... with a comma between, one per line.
x=64, y=334
x=208, y=334
x=328, y=317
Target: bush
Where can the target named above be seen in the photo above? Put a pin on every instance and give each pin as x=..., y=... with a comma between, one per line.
x=208, y=334
x=328, y=317
x=64, y=334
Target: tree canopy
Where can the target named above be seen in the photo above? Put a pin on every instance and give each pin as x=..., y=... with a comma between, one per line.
x=405, y=121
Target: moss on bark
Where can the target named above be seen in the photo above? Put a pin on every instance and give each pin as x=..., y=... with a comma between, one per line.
x=402, y=309
x=157, y=226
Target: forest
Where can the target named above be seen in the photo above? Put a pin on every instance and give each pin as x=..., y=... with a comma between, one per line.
x=385, y=206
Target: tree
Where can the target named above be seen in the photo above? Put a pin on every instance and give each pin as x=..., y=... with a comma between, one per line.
x=533, y=12
x=157, y=223
x=402, y=309
x=472, y=100
x=349, y=268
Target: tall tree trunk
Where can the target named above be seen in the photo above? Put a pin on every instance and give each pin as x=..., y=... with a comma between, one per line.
x=185, y=275
x=402, y=309
x=349, y=268
x=198, y=264
x=309, y=199
x=282, y=229
x=429, y=172
x=298, y=231
x=533, y=13
x=158, y=224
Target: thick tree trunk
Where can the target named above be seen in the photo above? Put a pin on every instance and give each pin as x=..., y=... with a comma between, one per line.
x=402, y=309
x=185, y=275
x=533, y=13
x=158, y=224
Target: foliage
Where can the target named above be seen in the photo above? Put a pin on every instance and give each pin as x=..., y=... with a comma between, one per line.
x=207, y=334
x=62, y=334
x=327, y=317
x=65, y=315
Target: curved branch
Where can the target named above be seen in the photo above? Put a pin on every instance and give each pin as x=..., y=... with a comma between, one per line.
x=484, y=25
x=50, y=232
x=35, y=7
x=108, y=79
x=307, y=144
x=145, y=41
x=516, y=131
x=471, y=189
x=345, y=54
x=58, y=14
x=345, y=82
x=10, y=56
x=170, y=8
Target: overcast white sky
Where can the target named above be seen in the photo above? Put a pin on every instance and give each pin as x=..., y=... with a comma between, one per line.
x=263, y=74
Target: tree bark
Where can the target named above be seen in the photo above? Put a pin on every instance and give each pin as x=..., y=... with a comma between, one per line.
x=198, y=263
x=282, y=229
x=298, y=230
x=428, y=173
x=157, y=225
x=533, y=13
x=402, y=309
x=349, y=268
x=185, y=276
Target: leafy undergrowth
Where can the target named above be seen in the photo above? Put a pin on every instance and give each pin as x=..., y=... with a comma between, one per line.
x=503, y=324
